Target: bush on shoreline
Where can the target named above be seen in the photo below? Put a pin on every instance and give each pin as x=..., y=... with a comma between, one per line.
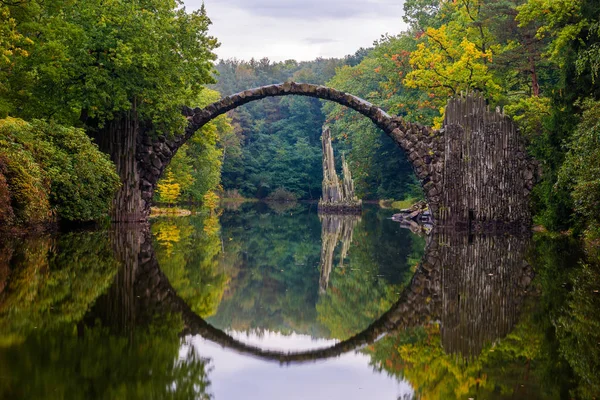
x=281, y=195
x=48, y=171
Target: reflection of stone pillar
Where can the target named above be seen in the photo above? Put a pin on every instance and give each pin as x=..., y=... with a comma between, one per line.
x=117, y=307
x=334, y=228
x=484, y=280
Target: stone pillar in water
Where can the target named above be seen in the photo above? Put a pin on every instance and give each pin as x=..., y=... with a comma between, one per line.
x=338, y=197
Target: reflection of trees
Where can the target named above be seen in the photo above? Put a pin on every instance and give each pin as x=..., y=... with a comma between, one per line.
x=100, y=365
x=272, y=260
x=480, y=348
x=275, y=271
x=578, y=330
x=135, y=319
x=188, y=252
x=53, y=281
x=377, y=269
x=282, y=207
x=578, y=327
x=125, y=347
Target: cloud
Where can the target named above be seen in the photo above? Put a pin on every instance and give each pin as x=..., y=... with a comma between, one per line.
x=316, y=40
x=316, y=9
x=244, y=34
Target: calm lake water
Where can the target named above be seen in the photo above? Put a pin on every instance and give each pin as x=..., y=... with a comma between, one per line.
x=274, y=302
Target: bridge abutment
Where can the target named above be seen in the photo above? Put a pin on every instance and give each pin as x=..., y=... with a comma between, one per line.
x=487, y=175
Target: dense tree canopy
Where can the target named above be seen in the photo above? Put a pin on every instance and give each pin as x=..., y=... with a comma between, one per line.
x=94, y=60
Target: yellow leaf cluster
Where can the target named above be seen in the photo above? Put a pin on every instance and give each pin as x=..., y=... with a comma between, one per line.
x=454, y=57
x=168, y=189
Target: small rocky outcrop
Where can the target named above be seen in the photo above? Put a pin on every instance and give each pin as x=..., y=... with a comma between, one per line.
x=417, y=218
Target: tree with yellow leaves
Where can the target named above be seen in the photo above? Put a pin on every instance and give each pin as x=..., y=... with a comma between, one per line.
x=168, y=189
x=455, y=56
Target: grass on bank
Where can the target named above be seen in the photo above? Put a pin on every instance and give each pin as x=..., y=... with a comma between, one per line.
x=399, y=204
x=169, y=211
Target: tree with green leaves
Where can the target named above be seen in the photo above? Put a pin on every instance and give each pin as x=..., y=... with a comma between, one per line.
x=380, y=169
x=117, y=68
x=580, y=173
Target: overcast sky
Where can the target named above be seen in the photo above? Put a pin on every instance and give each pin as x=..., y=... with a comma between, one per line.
x=299, y=29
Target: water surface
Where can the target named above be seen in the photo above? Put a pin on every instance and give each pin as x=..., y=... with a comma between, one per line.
x=271, y=302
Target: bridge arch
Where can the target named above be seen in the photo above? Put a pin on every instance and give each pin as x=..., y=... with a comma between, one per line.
x=423, y=146
x=417, y=304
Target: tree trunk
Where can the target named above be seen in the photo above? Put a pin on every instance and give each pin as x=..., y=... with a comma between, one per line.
x=118, y=138
x=535, y=86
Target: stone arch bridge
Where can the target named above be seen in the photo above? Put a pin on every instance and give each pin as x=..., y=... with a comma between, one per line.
x=474, y=171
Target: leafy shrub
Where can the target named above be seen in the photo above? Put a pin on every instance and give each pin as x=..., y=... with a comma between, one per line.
x=28, y=185
x=50, y=168
x=280, y=194
x=168, y=189
x=580, y=173
x=83, y=179
x=44, y=293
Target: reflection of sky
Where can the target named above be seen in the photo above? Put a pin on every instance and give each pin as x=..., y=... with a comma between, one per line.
x=236, y=376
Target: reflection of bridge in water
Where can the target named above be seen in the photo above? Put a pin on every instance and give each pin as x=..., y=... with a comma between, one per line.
x=472, y=285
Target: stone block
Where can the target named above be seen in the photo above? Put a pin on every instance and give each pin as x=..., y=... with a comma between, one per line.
x=271, y=90
x=155, y=173
x=156, y=163
x=323, y=92
x=433, y=191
